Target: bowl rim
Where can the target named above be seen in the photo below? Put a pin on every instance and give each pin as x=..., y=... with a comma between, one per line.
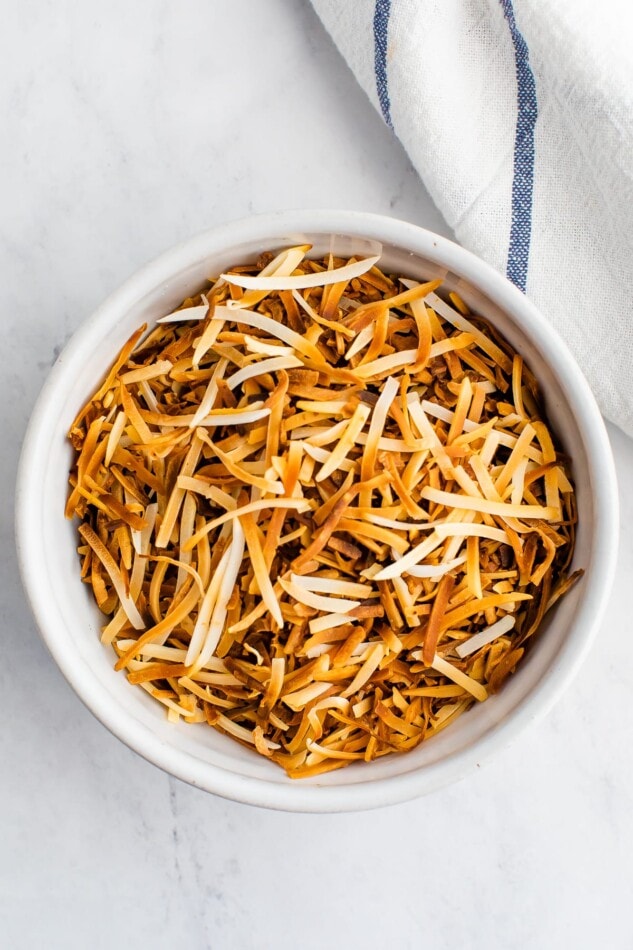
x=367, y=794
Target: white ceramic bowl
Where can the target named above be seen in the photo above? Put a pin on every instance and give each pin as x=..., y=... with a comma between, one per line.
x=70, y=622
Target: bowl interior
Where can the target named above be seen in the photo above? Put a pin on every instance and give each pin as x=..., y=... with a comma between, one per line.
x=71, y=622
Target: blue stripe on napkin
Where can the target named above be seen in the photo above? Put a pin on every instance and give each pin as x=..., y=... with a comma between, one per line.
x=523, y=175
x=381, y=27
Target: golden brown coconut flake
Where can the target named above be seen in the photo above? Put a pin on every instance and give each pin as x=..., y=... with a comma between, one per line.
x=321, y=508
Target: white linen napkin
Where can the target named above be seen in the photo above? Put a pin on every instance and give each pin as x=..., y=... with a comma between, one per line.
x=518, y=115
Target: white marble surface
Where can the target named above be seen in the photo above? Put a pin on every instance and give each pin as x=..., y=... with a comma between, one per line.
x=127, y=126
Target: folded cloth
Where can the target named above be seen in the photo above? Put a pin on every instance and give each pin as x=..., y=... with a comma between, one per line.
x=518, y=115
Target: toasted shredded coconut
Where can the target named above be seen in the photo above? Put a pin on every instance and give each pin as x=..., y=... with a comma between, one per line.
x=484, y=637
x=189, y=313
x=302, y=281
x=321, y=509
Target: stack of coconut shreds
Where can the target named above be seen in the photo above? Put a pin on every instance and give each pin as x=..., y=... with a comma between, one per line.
x=321, y=509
